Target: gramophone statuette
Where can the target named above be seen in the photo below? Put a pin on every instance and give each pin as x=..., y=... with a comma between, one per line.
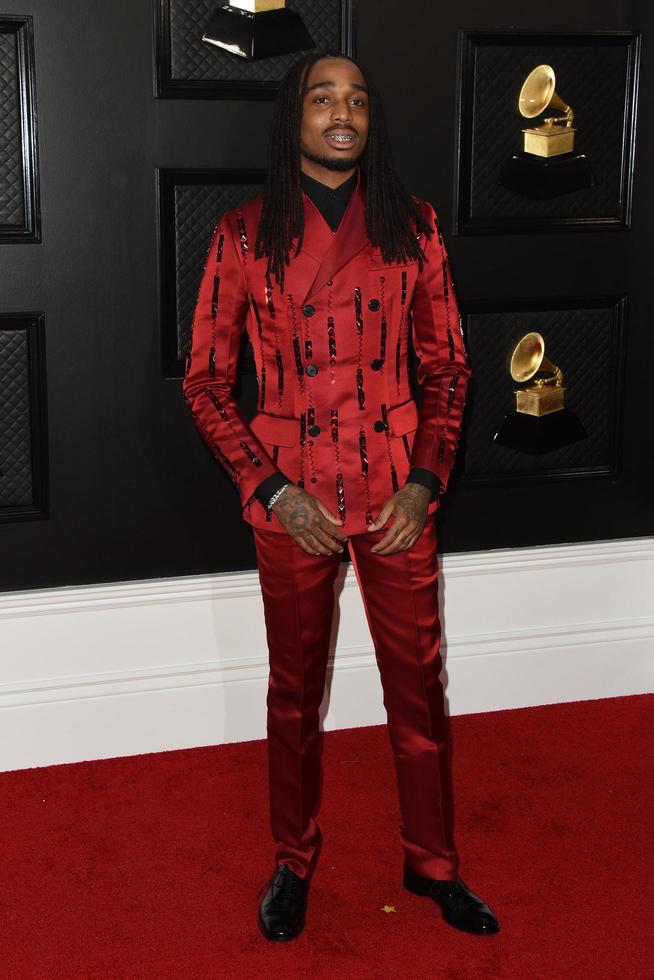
x=547, y=165
x=556, y=134
x=540, y=421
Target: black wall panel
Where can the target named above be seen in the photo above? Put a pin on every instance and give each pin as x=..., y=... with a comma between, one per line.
x=23, y=411
x=132, y=491
x=19, y=179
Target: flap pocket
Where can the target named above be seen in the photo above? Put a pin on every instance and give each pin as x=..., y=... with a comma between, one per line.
x=403, y=418
x=277, y=430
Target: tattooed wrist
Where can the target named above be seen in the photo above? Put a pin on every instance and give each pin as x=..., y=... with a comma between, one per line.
x=414, y=497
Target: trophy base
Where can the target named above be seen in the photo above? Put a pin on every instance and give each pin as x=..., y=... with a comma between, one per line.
x=265, y=34
x=546, y=177
x=539, y=434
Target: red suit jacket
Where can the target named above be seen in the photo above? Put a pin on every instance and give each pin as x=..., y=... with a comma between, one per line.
x=335, y=411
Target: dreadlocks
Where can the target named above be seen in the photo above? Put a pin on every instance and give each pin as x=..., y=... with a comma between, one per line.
x=389, y=208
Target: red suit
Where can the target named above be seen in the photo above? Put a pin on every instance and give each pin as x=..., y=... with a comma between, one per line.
x=336, y=416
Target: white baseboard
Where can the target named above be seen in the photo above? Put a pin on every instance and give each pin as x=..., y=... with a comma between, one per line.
x=147, y=666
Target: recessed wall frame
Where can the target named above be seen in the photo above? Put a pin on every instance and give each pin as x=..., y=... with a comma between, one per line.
x=597, y=73
x=20, y=215
x=186, y=67
x=24, y=492
x=190, y=204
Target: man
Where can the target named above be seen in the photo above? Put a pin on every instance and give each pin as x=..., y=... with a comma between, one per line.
x=339, y=451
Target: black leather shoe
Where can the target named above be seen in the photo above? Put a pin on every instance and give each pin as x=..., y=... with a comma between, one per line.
x=281, y=913
x=461, y=908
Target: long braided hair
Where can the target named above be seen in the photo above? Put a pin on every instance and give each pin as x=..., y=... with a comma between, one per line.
x=389, y=208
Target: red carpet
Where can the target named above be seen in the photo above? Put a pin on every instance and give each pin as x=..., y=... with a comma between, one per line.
x=148, y=866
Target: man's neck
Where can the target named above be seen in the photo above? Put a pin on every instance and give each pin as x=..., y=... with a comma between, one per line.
x=330, y=178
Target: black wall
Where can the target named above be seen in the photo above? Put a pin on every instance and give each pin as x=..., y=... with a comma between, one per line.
x=133, y=493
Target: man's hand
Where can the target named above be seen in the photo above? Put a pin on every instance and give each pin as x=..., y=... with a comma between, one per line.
x=309, y=522
x=409, y=506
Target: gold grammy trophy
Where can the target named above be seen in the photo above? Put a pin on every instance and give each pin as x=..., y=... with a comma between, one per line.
x=556, y=134
x=547, y=165
x=540, y=421
x=528, y=361
x=255, y=29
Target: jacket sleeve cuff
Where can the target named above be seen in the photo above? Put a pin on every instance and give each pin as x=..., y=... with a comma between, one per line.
x=425, y=477
x=267, y=487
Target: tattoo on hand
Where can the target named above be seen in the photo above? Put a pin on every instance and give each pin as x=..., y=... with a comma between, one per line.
x=413, y=499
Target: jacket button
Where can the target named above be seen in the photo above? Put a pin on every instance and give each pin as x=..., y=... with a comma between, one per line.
x=373, y=304
x=308, y=310
x=314, y=430
x=312, y=370
x=376, y=364
x=379, y=426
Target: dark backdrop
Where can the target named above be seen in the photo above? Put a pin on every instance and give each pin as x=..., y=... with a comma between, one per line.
x=132, y=491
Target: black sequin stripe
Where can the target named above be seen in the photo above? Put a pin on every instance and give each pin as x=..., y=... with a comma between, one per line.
x=242, y=234
x=262, y=379
x=340, y=488
x=400, y=337
x=297, y=352
x=331, y=334
x=450, y=400
x=233, y=473
x=358, y=319
x=279, y=363
x=280, y=374
x=389, y=451
x=363, y=454
x=220, y=408
x=214, y=294
x=361, y=395
x=269, y=298
x=251, y=455
x=332, y=339
x=214, y=306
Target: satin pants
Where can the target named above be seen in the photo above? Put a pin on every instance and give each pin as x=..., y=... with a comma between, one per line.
x=399, y=593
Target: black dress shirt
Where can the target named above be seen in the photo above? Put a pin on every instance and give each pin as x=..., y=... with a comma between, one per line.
x=332, y=202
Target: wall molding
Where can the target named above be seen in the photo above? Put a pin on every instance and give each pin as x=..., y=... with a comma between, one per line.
x=152, y=665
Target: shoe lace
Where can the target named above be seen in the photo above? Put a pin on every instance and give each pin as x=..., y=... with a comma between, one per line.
x=286, y=887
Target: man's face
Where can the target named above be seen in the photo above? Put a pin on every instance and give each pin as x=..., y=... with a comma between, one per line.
x=335, y=117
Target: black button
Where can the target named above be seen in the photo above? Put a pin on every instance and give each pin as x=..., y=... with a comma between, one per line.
x=373, y=304
x=308, y=310
x=311, y=369
x=314, y=430
x=379, y=426
x=376, y=364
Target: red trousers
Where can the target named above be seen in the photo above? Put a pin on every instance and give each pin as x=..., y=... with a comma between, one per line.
x=400, y=598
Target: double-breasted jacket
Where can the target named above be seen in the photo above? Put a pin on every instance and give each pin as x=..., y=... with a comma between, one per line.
x=335, y=410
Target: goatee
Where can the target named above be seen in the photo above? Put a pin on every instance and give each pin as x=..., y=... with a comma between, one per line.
x=340, y=162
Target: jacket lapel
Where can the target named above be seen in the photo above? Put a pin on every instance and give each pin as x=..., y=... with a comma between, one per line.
x=349, y=239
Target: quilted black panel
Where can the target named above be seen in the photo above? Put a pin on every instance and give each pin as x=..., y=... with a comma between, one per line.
x=16, y=487
x=586, y=343
x=12, y=205
x=595, y=78
x=191, y=59
x=197, y=210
